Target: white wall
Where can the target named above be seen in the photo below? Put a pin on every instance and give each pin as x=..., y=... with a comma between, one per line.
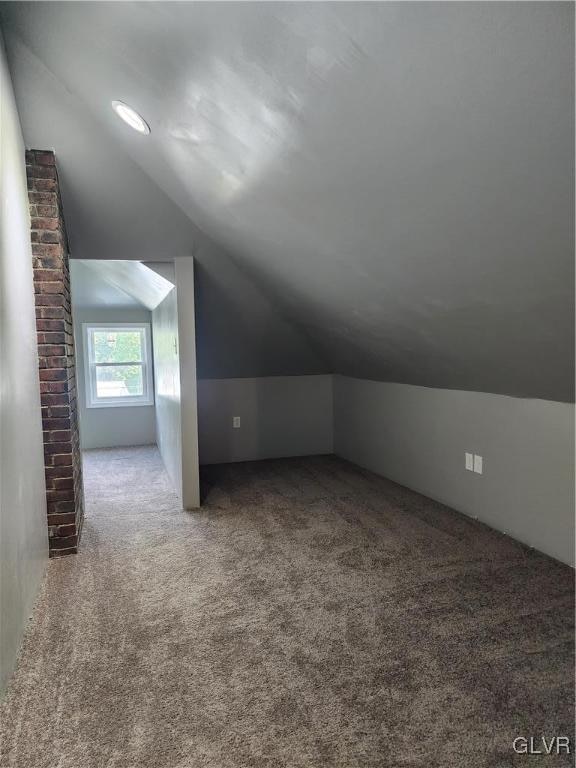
x=417, y=437
x=110, y=427
x=184, y=270
x=167, y=382
x=23, y=523
x=174, y=340
x=280, y=416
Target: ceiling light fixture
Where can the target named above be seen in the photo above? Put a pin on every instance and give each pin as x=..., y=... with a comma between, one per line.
x=131, y=117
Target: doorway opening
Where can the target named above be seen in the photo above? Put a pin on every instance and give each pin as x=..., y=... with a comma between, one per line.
x=136, y=363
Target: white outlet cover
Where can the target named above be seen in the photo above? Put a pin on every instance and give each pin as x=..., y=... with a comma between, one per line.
x=469, y=461
x=236, y=422
x=478, y=464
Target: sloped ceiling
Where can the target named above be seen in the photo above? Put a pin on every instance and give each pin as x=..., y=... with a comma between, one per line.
x=394, y=178
x=132, y=278
x=91, y=290
x=114, y=210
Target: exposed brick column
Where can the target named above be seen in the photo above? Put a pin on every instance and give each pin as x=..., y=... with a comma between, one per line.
x=62, y=457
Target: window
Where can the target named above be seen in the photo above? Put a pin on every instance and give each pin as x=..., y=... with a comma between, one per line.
x=118, y=366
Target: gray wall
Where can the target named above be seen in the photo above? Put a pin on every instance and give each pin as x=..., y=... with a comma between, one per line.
x=417, y=437
x=23, y=525
x=280, y=416
x=110, y=427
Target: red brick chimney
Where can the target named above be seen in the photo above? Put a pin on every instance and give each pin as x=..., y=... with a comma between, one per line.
x=62, y=457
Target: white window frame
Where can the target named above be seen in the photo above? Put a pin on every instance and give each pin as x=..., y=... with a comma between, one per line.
x=90, y=366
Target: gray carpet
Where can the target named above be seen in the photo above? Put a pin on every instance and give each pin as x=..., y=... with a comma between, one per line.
x=311, y=615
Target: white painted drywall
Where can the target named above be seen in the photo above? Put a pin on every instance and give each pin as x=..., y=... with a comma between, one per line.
x=110, y=427
x=167, y=382
x=174, y=341
x=418, y=436
x=280, y=416
x=23, y=524
x=184, y=273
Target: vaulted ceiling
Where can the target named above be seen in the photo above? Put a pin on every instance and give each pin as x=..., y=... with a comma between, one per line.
x=378, y=189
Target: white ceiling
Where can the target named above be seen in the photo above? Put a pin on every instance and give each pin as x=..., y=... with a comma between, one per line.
x=110, y=283
x=92, y=290
x=396, y=177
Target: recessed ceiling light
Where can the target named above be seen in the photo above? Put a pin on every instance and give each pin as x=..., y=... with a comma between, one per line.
x=131, y=117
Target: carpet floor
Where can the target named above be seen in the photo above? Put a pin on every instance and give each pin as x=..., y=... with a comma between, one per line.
x=311, y=615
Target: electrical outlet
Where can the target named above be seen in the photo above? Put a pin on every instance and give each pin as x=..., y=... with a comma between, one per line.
x=236, y=422
x=469, y=461
x=478, y=464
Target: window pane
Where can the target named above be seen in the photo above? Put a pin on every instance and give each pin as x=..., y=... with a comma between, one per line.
x=119, y=381
x=117, y=346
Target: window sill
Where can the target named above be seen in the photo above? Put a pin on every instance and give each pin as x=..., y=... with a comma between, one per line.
x=122, y=404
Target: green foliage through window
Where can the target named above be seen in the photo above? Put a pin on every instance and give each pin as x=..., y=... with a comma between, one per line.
x=118, y=347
